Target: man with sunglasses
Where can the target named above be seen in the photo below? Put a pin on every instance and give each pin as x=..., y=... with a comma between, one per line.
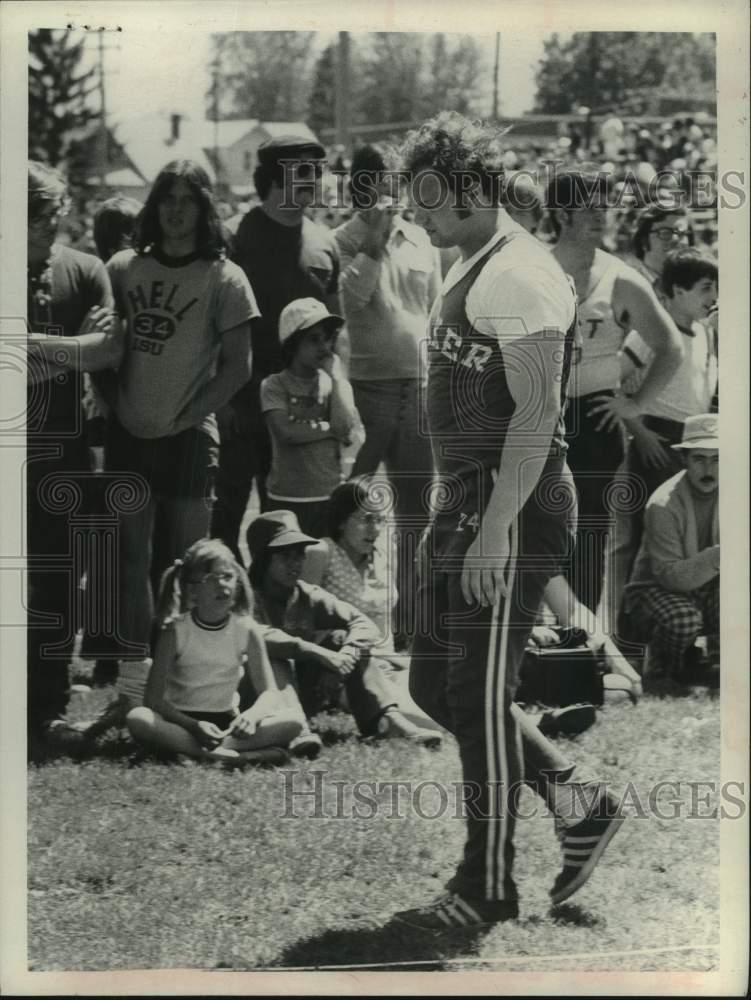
x=71, y=326
x=285, y=256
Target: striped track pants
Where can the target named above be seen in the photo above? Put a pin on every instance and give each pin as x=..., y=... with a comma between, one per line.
x=465, y=670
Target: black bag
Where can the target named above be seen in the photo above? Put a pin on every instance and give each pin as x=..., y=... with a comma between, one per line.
x=567, y=673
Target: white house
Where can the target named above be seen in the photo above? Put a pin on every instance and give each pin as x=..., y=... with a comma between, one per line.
x=227, y=150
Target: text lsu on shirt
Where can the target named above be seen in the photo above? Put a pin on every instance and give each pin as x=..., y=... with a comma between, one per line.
x=175, y=316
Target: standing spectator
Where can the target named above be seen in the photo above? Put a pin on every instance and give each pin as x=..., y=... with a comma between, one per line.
x=674, y=591
x=187, y=350
x=72, y=330
x=689, y=283
x=523, y=200
x=658, y=231
x=285, y=256
x=613, y=299
x=114, y=230
x=390, y=275
x=310, y=413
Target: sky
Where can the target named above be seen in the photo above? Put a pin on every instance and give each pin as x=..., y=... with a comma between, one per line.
x=142, y=74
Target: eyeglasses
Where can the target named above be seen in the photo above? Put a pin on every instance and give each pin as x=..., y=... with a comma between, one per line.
x=307, y=169
x=46, y=219
x=666, y=234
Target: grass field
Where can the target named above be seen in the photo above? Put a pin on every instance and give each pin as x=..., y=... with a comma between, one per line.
x=149, y=864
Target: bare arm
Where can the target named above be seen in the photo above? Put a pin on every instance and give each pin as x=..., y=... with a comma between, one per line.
x=97, y=345
x=637, y=303
x=164, y=658
x=533, y=368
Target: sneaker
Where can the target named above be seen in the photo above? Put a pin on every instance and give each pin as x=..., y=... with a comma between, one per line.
x=393, y=726
x=570, y=720
x=452, y=912
x=583, y=846
x=307, y=744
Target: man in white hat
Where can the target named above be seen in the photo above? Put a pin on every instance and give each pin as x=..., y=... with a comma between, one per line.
x=674, y=592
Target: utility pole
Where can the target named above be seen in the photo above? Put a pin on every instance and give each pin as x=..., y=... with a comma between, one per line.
x=215, y=114
x=342, y=90
x=496, y=71
x=103, y=157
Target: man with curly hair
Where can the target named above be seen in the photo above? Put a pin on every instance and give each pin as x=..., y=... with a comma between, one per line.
x=499, y=348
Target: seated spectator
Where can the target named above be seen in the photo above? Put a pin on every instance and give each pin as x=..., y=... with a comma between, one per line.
x=349, y=563
x=321, y=635
x=208, y=641
x=674, y=592
x=353, y=564
x=310, y=412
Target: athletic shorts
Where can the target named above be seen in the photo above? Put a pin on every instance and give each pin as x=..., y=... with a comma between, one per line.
x=179, y=467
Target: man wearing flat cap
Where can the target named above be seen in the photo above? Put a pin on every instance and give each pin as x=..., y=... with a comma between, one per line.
x=285, y=256
x=674, y=592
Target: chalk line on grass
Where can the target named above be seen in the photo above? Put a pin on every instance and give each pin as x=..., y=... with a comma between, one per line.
x=493, y=961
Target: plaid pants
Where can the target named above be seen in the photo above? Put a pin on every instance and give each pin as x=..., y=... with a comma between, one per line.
x=672, y=621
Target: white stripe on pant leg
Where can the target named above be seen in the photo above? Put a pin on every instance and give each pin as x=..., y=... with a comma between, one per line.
x=500, y=696
x=490, y=747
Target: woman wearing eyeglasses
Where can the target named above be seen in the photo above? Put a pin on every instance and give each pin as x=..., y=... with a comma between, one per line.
x=352, y=563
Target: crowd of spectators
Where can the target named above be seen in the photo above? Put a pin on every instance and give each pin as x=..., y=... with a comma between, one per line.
x=330, y=296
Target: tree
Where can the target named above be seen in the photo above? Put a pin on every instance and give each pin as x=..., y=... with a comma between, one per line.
x=262, y=74
x=391, y=82
x=322, y=104
x=59, y=111
x=626, y=72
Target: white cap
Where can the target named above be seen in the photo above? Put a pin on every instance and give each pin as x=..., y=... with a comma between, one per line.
x=301, y=314
x=700, y=431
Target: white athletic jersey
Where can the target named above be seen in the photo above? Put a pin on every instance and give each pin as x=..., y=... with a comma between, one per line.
x=598, y=367
x=690, y=391
x=208, y=665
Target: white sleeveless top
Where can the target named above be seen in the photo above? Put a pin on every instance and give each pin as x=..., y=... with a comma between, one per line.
x=208, y=665
x=602, y=336
x=689, y=392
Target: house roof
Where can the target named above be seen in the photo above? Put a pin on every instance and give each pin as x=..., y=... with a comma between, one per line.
x=146, y=141
x=147, y=144
x=288, y=128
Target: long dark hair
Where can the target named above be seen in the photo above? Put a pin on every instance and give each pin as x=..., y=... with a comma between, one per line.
x=210, y=242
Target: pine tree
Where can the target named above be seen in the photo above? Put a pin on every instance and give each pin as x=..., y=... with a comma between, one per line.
x=59, y=89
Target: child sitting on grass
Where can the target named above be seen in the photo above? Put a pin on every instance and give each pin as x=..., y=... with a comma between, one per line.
x=311, y=415
x=208, y=642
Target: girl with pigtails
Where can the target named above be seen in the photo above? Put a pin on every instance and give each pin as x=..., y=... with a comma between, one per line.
x=207, y=643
